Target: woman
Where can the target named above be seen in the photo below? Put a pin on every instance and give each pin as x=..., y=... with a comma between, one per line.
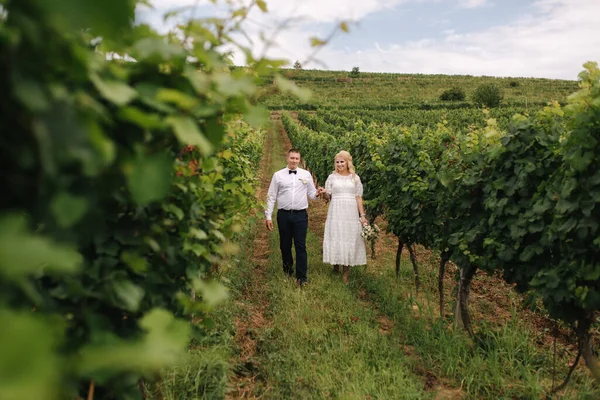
x=343, y=244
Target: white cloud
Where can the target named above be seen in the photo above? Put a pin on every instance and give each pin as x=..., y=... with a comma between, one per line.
x=328, y=10
x=473, y=3
x=553, y=41
x=308, y=10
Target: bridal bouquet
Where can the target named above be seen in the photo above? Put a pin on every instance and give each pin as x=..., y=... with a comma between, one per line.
x=370, y=232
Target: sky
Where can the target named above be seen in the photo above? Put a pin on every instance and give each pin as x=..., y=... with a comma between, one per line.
x=516, y=38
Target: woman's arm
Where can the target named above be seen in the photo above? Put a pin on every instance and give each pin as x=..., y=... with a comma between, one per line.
x=359, y=201
x=361, y=210
x=327, y=190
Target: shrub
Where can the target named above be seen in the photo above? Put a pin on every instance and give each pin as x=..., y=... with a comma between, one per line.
x=453, y=94
x=297, y=66
x=487, y=94
x=514, y=84
x=355, y=72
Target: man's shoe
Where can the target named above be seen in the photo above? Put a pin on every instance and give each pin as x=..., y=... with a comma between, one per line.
x=301, y=282
x=288, y=272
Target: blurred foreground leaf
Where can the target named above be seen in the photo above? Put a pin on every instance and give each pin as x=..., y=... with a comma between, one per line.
x=23, y=253
x=150, y=178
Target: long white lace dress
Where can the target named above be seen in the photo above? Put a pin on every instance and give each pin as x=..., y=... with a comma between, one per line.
x=342, y=243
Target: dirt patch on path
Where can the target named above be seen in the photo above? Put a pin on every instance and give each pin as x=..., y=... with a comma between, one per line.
x=283, y=137
x=254, y=301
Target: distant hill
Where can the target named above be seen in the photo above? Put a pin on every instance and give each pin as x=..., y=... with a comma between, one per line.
x=391, y=91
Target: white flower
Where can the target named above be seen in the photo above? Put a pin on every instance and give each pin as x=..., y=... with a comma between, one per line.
x=303, y=180
x=370, y=233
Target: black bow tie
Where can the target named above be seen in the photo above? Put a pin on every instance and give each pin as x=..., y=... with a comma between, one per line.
x=293, y=172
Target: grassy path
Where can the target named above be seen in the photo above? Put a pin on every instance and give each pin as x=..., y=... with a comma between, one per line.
x=251, y=300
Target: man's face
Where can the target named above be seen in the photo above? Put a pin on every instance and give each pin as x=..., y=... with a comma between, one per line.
x=293, y=159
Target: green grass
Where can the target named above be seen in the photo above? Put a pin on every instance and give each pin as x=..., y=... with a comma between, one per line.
x=201, y=375
x=324, y=342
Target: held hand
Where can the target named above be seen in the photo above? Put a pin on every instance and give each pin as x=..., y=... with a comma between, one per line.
x=363, y=221
x=269, y=224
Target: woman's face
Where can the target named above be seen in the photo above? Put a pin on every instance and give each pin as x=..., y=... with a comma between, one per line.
x=340, y=164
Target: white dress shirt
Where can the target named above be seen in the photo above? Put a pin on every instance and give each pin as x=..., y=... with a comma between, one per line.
x=290, y=191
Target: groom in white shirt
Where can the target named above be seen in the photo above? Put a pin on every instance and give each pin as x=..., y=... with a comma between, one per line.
x=290, y=188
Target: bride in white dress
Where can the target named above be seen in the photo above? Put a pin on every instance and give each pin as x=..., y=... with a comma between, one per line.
x=343, y=244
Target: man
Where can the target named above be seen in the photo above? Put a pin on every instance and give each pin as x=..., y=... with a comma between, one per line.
x=290, y=188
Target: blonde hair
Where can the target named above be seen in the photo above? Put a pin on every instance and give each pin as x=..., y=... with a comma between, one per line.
x=348, y=158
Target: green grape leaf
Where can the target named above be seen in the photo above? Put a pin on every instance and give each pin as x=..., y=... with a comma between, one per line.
x=163, y=344
x=23, y=253
x=149, y=178
x=30, y=367
x=108, y=18
x=128, y=294
x=114, y=91
x=68, y=209
x=188, y=133
x=212, y=292
x=257, y=116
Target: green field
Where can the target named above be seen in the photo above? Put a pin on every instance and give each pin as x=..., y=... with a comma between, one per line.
x=377, y=91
